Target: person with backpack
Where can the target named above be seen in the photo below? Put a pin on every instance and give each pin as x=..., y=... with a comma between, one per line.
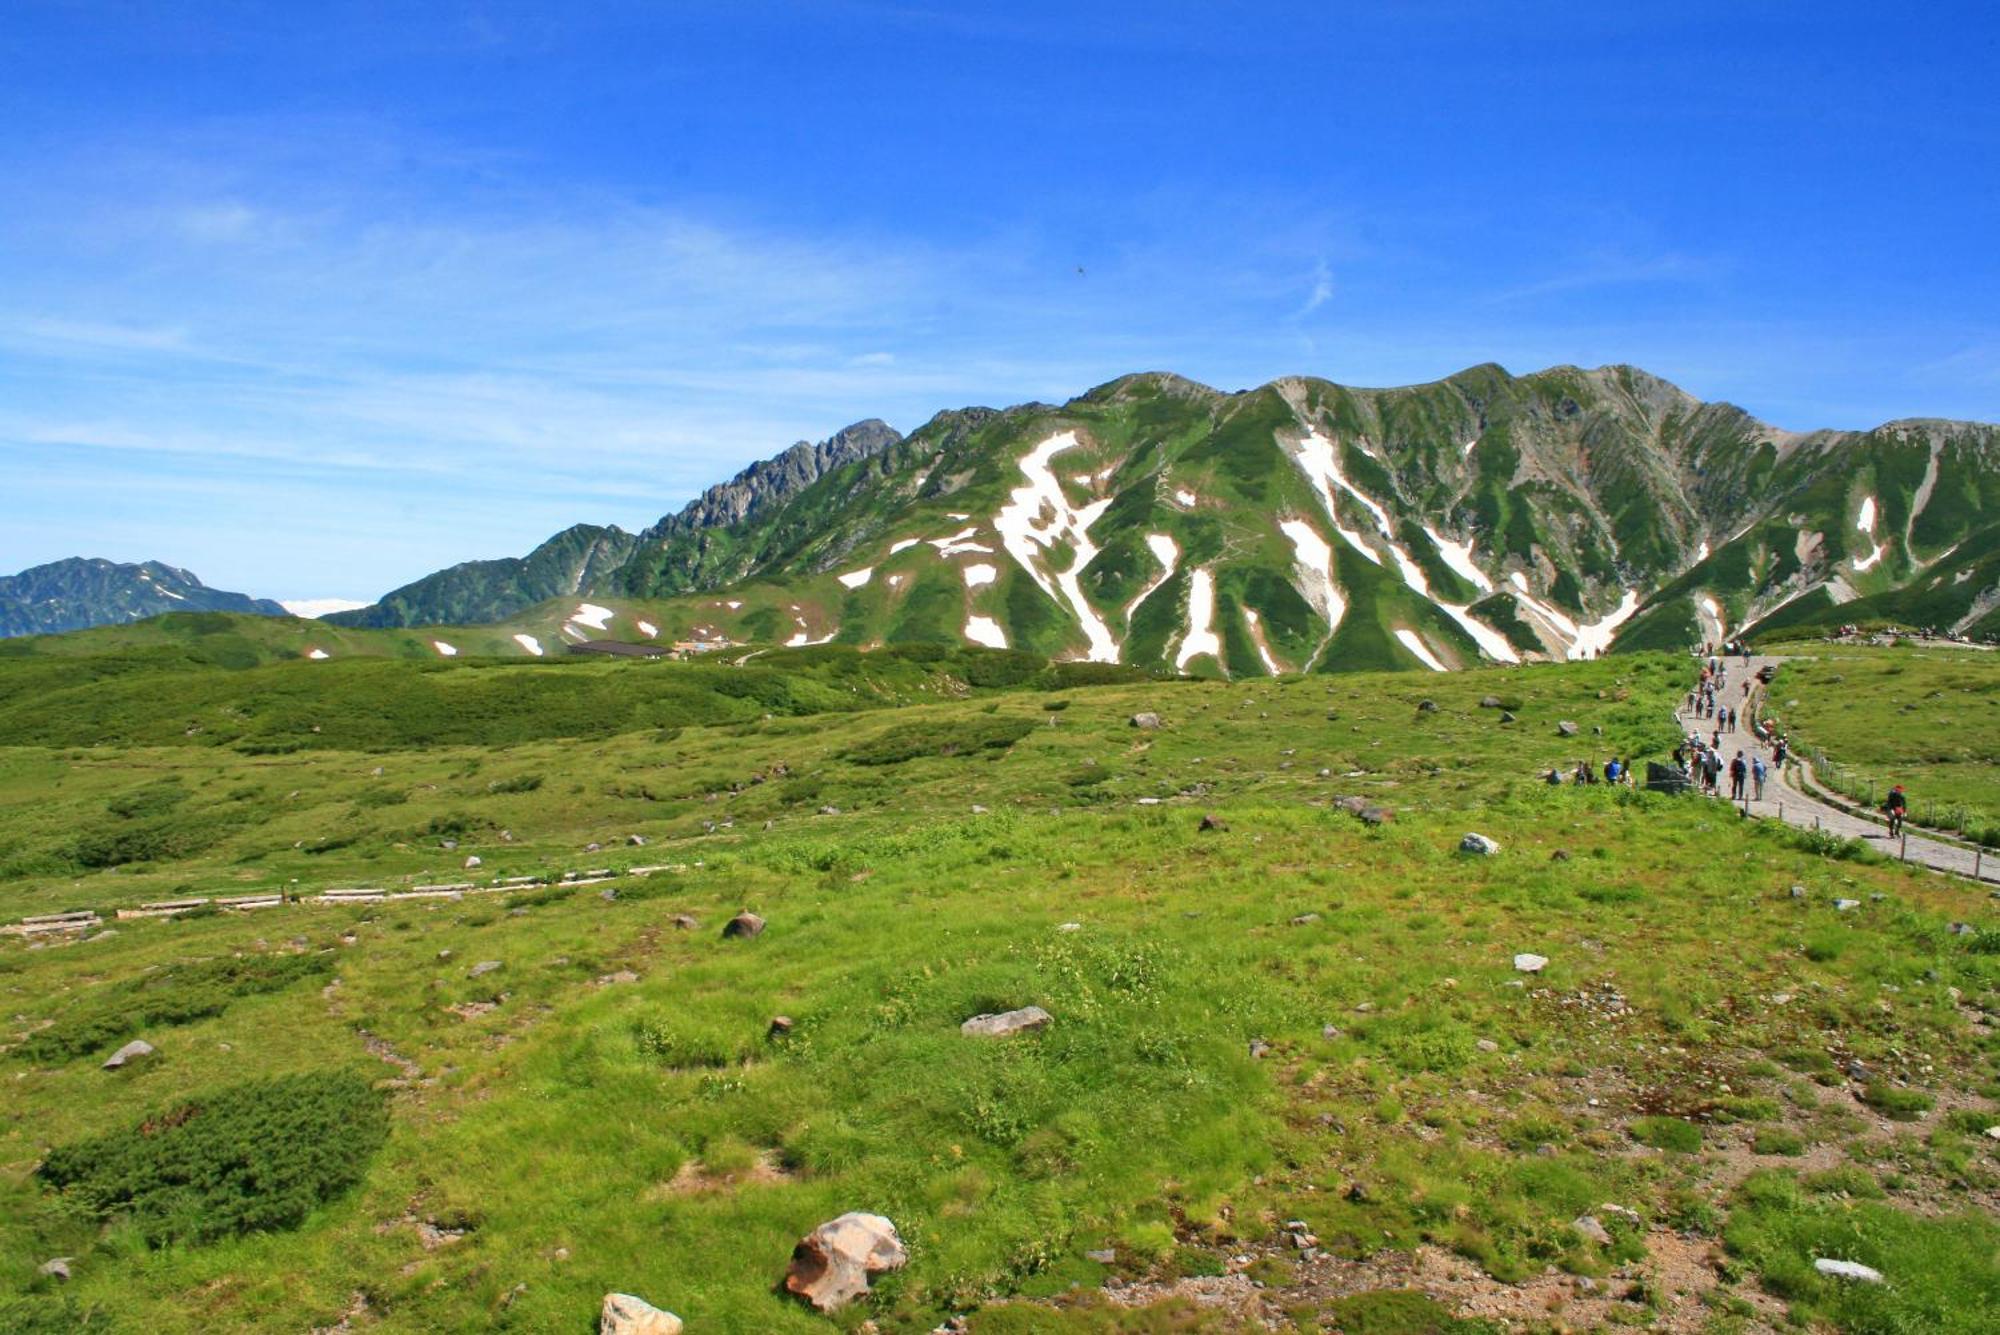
x=1896, y=808
x=1757, y=772
x=1739, y=772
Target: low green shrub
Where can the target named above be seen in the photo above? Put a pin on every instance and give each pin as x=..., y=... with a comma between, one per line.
x=1667, y=1133
x=181, y=994
x=911, y=740
x=1903, y=1105
x=250, y=1158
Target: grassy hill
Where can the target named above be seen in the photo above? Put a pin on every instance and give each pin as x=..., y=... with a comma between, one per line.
x=1297, y=1015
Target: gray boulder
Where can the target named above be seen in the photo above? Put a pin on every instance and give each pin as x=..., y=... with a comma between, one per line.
x=1478, y=844
x=1566, y=729
x=481, y=969
x=137, y=1050
x=1006, y=1024
x=1147, y=720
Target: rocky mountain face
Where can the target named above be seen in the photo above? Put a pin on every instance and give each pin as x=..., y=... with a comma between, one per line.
x=573, y=561
x=81, y=592
x=1307, y=525
x=587, y=559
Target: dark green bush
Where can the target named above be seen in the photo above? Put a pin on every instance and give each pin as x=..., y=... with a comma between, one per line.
x=249, y=1158
x=910, y=740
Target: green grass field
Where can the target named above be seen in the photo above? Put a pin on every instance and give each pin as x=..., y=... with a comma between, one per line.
x=1927, y=718
x=1299, y=1016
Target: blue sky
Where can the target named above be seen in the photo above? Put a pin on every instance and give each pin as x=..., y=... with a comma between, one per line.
x=314, y=299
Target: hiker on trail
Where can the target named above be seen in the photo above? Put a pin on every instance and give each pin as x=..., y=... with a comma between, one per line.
x=1757, y=772
x=1611, y=770
x=1896, y=808
x=1711, y=766
x=1583, y=774
x=1739, y=770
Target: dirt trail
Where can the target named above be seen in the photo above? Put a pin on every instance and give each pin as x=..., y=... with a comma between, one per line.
x=1786, y=801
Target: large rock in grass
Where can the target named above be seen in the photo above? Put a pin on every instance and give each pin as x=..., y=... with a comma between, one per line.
x=834, y=1264
x=135, y=1051
x=1147, y=720
x=1007, y=1023
x=743, y=925
x=1566, y=729
x=1479, y=845
x=624, y=1314
x=1848, y=1270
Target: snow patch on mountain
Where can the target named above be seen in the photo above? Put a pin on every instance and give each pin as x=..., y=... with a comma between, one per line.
x=1593, y=638
x=986, y=631
x=1256, y=626
x=593, y=616
x=1168, y=553
x=1313, y=559
x=1458, y=556
x=979, y=573
x=530, y=643
x=1416, y=646
x=1201, y=637
x=312, y=608
x=1866, y=524
x=854, y=579
x=449, y=651
x=1037, y=515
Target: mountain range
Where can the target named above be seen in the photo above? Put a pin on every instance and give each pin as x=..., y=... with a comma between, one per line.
x=1302, y=525
x=81, y=592
x=1306, y=524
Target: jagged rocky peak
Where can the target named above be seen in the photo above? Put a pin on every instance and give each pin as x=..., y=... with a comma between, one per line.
x=771, y=480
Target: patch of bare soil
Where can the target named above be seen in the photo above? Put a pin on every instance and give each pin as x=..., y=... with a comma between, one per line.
x=696, y=1179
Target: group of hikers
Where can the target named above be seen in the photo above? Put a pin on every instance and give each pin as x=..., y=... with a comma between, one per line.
x=1700, y=758
x=1613, y=770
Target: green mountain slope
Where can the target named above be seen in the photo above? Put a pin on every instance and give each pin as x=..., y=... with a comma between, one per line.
x=571, y=561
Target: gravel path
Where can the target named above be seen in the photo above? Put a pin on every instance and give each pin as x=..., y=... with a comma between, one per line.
x=1784, y=800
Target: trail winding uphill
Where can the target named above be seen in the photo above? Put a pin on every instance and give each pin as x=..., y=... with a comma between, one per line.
x=1786, y=799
